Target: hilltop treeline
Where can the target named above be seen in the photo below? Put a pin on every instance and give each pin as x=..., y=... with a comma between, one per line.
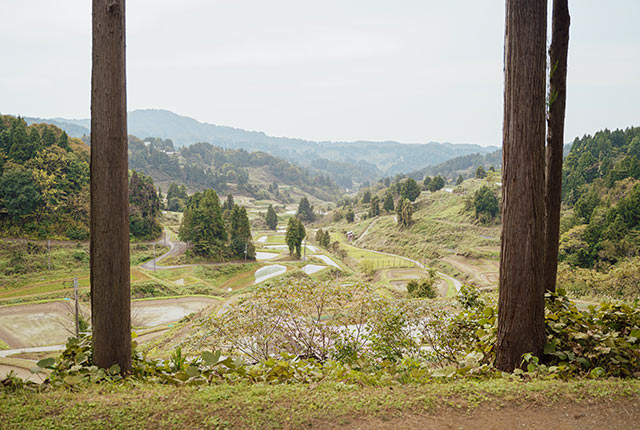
x=464, y=165
x=601, y=182
x=44, y=185
x=203, y=166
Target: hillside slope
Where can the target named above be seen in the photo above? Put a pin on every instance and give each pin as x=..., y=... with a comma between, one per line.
x=389, y=157
x=199, y=166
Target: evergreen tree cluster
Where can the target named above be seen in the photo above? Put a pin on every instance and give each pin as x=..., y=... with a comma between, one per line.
x=410, y=190
x=176, y=197
x=485, y=204
x=214, y=232
x=350, y=215
x=144, y=207
x=323, y=238
x=404, y=212
x=374, y=207
x=295, y=235
x=44, y=183
x=271, y=218
x=434, y=184
x=305, y=211
x=388, y=204
x=601, y=182
x=600, y=161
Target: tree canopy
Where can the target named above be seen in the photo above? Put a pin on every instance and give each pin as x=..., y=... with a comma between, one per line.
x=305, y=211
x=271, y=218
x=294, y=236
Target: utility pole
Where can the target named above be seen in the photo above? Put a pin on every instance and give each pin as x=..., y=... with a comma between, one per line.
x=75, y=293
x=49, y=254
x=304, y=252
x=246, y=244
x=154, y=256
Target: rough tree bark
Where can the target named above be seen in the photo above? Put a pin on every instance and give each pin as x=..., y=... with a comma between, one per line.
x=110, y=289
x=555, y=136
x=521, y=295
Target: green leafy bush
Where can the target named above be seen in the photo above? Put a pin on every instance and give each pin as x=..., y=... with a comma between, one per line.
x=422, y=288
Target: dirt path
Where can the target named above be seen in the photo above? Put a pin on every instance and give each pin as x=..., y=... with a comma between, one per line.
x=457, y=284
x=484, y=273
x=366, y=231
x=176, y=249
x=581, y=415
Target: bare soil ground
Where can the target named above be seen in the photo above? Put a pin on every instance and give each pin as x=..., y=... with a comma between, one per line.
x=152, y=313
x=480, y=272
x=622, y=414
x=36, y=324
x=405, y=273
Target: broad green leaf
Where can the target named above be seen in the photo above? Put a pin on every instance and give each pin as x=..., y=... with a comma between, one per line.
x=583, y=361
x=115, y=369
x=46, y=362
x=192, y=371
x=72, y=379
x=210, y=358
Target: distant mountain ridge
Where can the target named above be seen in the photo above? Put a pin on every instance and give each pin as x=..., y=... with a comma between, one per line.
x=388, y=157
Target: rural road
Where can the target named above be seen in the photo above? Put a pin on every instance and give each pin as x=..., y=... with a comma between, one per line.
x=175, y=249
x=457, y=284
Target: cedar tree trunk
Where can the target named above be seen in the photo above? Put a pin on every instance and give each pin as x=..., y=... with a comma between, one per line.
x=555, y=137
x=110, y=289
x=521, y=295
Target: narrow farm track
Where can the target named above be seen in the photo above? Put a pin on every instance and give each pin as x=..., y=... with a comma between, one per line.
x=456, y=283
x=176, y=249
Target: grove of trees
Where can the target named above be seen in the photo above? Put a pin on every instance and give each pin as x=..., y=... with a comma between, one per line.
x=212, y=236
x=294, y=236
x=305, y=211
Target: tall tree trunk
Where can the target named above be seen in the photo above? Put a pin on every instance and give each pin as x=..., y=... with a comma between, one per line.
x=110, y=289
x=555, y=137
x=521, y=295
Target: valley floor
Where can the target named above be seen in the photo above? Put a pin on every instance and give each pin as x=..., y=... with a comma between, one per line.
x=491, y=404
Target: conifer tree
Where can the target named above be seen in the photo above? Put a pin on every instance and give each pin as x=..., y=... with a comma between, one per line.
x=271, y=218
x=388, y=202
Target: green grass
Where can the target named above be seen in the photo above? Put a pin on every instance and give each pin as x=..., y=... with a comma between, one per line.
x=451, y=291
x=378, y=260
x=294, y=406
x=3, y=345
x=276, y=239
x=68, y=261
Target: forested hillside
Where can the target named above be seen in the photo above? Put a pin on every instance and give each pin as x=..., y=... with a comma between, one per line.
x=44, y=185
x=601, y=182
x=346, y=161
x=464, y=165
x=203, y=165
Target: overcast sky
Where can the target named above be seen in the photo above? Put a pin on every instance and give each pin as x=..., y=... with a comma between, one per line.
x=412, y=71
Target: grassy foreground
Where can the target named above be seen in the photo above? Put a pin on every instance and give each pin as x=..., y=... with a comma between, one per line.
x=325, y=405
